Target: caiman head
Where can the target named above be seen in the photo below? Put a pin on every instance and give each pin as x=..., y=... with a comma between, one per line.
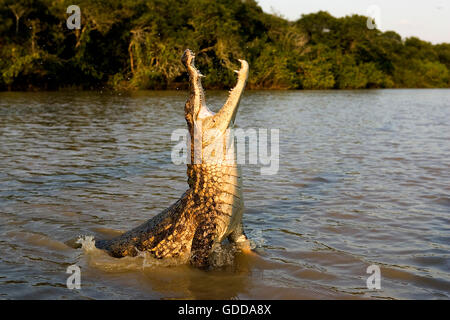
x=211, y=141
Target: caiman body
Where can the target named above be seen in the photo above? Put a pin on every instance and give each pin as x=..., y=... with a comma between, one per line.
x=211, y=209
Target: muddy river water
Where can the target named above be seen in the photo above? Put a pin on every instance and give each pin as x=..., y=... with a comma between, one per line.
x=363, y=179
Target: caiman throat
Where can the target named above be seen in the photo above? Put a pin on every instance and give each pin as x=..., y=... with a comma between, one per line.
x=210, y=211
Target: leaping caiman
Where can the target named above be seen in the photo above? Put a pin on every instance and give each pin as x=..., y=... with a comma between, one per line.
x=210, y=211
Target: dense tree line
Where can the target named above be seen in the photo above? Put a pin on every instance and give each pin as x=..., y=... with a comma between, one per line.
x=137, y=44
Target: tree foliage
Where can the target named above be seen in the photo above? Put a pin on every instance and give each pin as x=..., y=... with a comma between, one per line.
x=137, y=44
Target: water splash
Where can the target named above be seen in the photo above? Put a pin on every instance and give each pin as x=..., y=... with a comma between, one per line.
x=222, y=255
x=256, y=239
x=87, y=243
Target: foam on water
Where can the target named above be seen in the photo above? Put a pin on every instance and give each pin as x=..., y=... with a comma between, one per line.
x=256, y=239
x=102, y=260
x=221, y=256
x=87, y=243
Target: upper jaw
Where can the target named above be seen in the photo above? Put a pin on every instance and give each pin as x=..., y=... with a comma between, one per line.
x=198, y=110
x=226, y=116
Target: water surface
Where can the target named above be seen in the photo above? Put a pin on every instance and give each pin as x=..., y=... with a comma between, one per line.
x=363, y=179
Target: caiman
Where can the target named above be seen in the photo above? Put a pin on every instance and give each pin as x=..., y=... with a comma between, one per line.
x=210, y=211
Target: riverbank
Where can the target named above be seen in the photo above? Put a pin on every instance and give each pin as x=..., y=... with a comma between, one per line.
x=129, y=46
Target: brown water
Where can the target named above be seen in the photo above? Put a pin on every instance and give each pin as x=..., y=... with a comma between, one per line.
x=364, y=179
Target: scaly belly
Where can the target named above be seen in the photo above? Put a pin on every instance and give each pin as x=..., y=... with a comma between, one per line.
x=231, y=200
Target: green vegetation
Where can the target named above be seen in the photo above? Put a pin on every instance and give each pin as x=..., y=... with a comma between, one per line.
x=125, y=44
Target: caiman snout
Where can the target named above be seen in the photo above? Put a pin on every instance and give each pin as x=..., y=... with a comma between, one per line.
x=188, y=58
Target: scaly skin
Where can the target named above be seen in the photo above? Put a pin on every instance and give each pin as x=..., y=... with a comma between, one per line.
x=211, y=209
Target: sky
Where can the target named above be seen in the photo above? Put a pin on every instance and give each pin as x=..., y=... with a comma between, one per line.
x=426, y=19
